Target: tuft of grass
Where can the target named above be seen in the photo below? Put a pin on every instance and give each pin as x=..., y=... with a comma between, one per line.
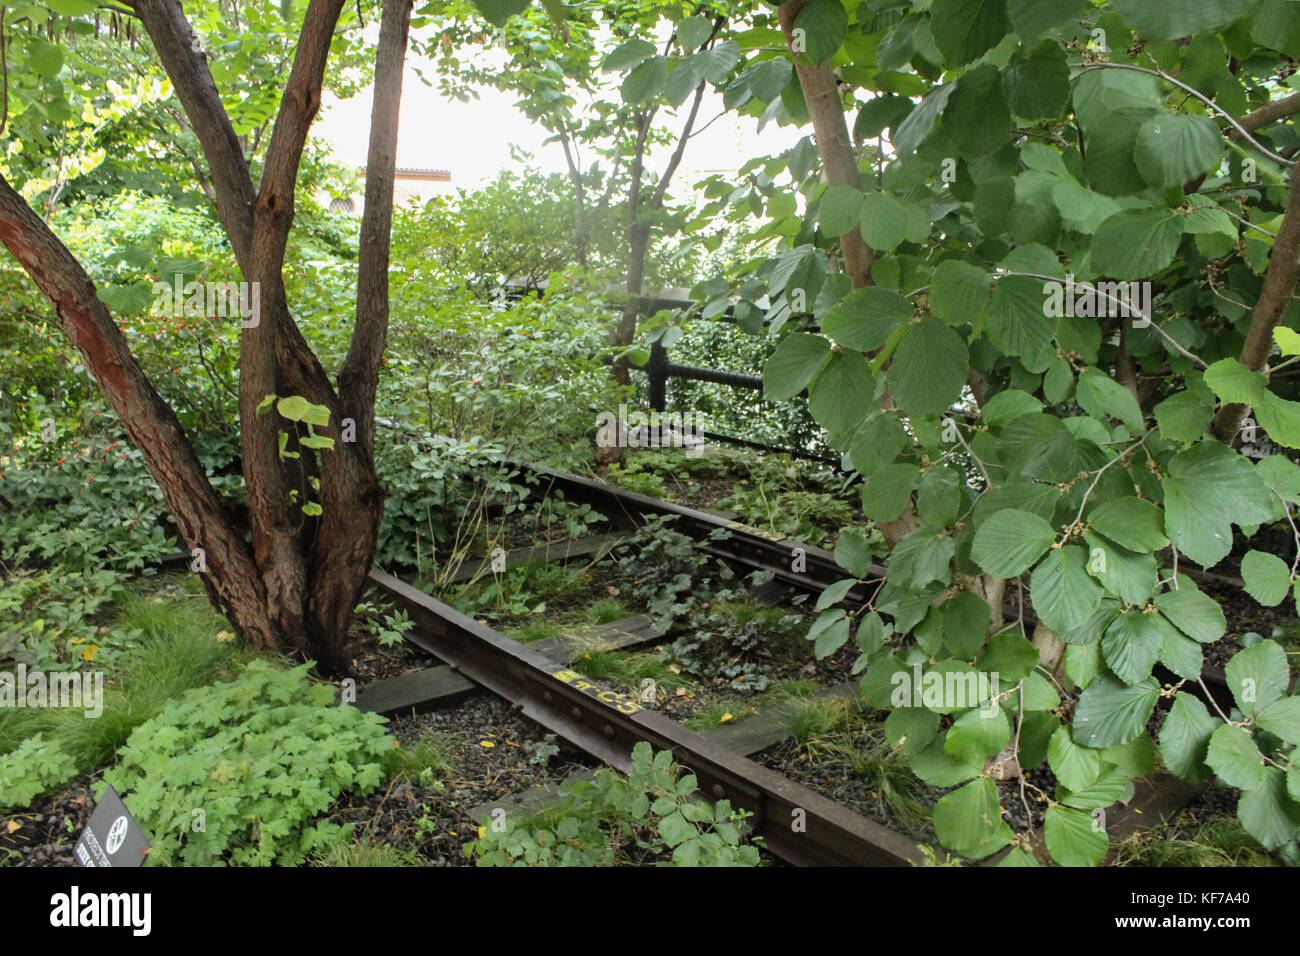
x=627, y=669
x=427, y=759
x=606, y=611
x=711, y=714
x=177, y=650
x=814, y=720
x=1217, y=841
x=893, y=785
x=364, y=852
x=535, y=631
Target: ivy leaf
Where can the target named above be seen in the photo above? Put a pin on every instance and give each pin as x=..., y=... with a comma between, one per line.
x=1110, y=712
x=1010, y=541
x=1071, y=838
x=929, y=368
x=1267, y=577
x=1234, y=758
x=794, y=363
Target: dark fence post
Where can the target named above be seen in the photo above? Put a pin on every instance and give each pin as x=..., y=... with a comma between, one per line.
x=657, y=370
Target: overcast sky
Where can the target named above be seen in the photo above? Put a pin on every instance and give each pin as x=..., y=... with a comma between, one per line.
x=472, y=140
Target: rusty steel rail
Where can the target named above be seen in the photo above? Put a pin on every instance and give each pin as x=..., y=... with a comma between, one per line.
x=797, y=824
x=744, y=544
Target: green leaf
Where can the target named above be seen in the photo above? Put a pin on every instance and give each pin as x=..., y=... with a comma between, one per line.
x=921, y=557
x=1037, y=84
x=840, y=209
x=1207, y=488
x=1010, y=541
x=1268, y=813
x=316, y=441
x=628, y=54
x=831, y=639
x=887, y=222
x=693, y=31
x=1257, y=676
x=716, y=63
x=929, y=368
x=882, y=112
x=1131, y=645
x=911, y=728
x=1009, y=405
x=312, y=508
x=1184, y=737
x=969, y=820
x=914, y=130
x=1282, y=718
x=1288, y=340
x=1233, y=382
x=1175, y=147
x=1063, y=592
x=675, y=829
x=498, y=12
x=1072, y=839
x=966, y=617
x=1184, y=416
x=889, y=491
x=1018, y=323
x=939, y=496
x=794, y=363
x=824, y=23
x=974, y=736
x=937, y=768
x=1110, y=712
x=1235, y=759
x=1075, y=767
x=1100, y=395
x=645, y=82
x=1180, y=18
x=265, y=404
x=1131, y=523
x=1267, y=577
x=959, y=291
x=840, y=391
x=1195, y=614
x=1115, y=785
x=44, y=57
x=1180, y=654
x=1032, y=18
x=976, y=118
x=769, y=78
x=865, y=318
x=853, y=552
x=295, y=408
x=835, y=593
x=1137, y=243
x=964, y=30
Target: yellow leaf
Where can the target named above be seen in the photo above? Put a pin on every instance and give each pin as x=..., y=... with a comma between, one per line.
x=88, y=652
x=223, y=636
x=724, y=718
x=13, y=826
x=486, y=743
x=482, y=832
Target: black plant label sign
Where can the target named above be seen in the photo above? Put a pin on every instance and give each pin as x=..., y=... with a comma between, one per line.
x=112, y=837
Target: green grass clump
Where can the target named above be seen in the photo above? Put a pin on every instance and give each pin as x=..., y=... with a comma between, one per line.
x=1219, y=840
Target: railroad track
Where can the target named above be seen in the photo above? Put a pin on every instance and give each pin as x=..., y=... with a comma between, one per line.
x=606, y=724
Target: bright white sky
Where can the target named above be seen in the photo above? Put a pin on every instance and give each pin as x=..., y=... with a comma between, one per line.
x=472, y=140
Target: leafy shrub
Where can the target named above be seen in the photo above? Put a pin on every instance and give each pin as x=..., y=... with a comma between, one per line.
x=733, y=642
x=36, y=766
x=648, y=815
x=260, y=756
x=670, y=573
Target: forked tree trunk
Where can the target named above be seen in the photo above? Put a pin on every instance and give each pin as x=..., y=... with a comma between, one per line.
x=294, y=586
